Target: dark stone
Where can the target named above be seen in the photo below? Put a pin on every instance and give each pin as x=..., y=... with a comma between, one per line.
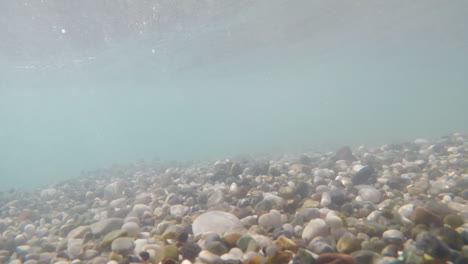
x=274, y=171
x=464, y=235
x=344, y=153
x=421, y=215
x=432, y=246
x=303, y=189
x=397, y=183
x=304, y=159
x=365, y=175
x=236, y=169
x=364, y=256
x=464, y=194
x=338, y=197
x=264, y=205
x=144, y=255
x=434, y=173
x=335, y=258
x=451, y=237
x=217, y=248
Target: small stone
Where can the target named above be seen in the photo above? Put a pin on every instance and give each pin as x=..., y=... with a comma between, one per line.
x=264, y=205
x=123, y=245
x=315, y=227
x=190, y=251
x=245, y=242
x=334, y=221
x=209, y=258
x=348, y=244
x=370, y=194
x=393, y=237
x=106, y=242
x=414, y=190
x=131, y=228
x=319, y=246
x=451, y=237
x=270, y=221
x=432, y=246
x=438, y=208
x=29, y=229
x=390, y=251
x=453, y=220
x=232, y=238
x=216, y=247
x=327, y=258
x=140, y=209
x=363, y=176
x=105, y=226
x=280, y=257
x=170, y=252
x=303, y=257
x=178, y=210
x=216, y=198
x=309, y=203
x=365, y=256
x=74, y=247
x=284, y=243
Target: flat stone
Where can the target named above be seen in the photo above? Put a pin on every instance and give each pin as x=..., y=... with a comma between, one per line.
x=123, y=245
x=216, y=222
x=315, y=227
x=421, y=215
x=105, y=226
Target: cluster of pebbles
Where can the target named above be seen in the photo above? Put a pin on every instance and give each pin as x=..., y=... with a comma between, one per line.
x=399, y=203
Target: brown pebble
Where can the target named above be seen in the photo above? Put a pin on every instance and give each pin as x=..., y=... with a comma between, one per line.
x=421, y=215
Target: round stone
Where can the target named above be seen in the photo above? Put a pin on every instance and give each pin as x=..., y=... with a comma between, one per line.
x=370, y=194
x=393, y=236
x=123, y=245
x=132, y=229
x=178, y=210
x=217, y=222
x=270, y=221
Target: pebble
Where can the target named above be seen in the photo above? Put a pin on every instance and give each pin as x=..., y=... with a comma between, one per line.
x=105, y=226
x=370, y=194
x=131, y=228
x=209, y=258
x=393, y=236
x=366, y=207
x=178, y=210
x=217, y=222
x=270, y=221
x=123, y=244
x=315, y=227
x=74, y=247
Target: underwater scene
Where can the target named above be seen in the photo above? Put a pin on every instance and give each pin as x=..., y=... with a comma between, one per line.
x=233, y=131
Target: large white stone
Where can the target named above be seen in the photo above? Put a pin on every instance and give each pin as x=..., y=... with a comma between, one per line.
x=217, y=222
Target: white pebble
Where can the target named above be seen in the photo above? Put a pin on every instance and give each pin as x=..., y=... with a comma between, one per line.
x=132, y=229
x=29, y=229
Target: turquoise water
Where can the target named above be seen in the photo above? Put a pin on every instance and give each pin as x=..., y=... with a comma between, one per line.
x=242, y=77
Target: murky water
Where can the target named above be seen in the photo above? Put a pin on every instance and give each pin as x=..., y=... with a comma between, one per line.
x=214, y=79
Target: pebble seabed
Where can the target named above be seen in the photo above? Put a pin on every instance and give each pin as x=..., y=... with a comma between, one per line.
x=399, y=203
